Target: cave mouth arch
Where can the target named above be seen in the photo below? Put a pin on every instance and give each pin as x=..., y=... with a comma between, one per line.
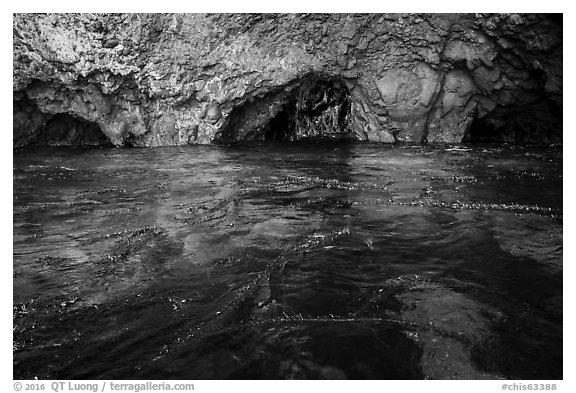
x=34, y=127
x=63, y=129
x=313, y=108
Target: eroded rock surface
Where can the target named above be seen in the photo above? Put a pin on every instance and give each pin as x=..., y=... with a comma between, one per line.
x=172, y=79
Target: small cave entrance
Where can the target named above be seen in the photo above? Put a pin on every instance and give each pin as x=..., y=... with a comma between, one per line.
x=33, y=127
x=313, y=108
x=66, y=130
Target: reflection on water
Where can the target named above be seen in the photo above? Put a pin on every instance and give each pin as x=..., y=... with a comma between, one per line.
x=288, y=261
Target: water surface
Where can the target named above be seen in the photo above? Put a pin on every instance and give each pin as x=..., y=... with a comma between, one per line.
x=288, y=261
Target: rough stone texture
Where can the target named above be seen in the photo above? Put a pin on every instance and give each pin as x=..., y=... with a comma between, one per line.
x=168, y=79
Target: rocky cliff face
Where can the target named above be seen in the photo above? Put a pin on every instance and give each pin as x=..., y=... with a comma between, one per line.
x=164, y=79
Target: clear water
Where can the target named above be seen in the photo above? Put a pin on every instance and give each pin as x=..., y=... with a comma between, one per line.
x=288, y=261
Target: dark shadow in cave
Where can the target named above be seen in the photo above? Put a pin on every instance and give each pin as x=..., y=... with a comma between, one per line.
x=66, y=130
x=313, y=108
x=482, y=132
x=537, y=124
x=279, y=127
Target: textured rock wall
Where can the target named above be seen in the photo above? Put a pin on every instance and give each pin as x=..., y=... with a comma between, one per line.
x=165, y=79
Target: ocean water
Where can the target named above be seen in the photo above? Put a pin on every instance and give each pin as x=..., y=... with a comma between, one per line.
x=276, y=261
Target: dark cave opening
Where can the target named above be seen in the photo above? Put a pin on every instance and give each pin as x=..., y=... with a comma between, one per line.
x=33, y=127
x=313, y=108
x=279, y=128
x=66, y=130
x=483, y=132
x=537, y=124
